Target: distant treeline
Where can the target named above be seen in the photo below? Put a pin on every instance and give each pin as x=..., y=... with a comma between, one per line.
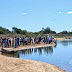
x=19, y=31
x=4, y=31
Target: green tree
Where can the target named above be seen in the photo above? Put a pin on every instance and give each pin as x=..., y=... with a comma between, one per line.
x=4, y=31
x=64, y=32
x=23, y=32
x=1, y=32
x=16, y=30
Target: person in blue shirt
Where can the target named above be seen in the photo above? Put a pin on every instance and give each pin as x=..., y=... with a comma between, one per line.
x=5, y=41
x=35, y=40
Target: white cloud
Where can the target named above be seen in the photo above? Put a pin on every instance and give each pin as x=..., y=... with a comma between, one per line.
x=24, y=13
x=70, y=12
x=59, y=12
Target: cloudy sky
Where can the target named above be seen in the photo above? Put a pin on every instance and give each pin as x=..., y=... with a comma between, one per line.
x=33, y=15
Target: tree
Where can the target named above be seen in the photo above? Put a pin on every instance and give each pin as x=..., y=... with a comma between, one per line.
x=1, y=32
x=23, y=32
x=53, y=32
x=16, y=30
x=46, y=31
x=64, y=32
x=4, y=31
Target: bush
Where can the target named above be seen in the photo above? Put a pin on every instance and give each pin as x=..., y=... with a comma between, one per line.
x=1, y=32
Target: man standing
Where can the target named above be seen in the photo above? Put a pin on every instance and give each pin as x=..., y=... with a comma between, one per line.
x=1, y=42
x=20, y=40
x=15, y=41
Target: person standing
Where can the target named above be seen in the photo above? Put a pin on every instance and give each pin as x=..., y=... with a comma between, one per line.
x=44, y=40
x=49, y=39
x=35, y=40
x=20, y=40
x=2, y=42
x=8, y=42
x=5, y=41
x=25, y=40
x=30, y=40
x=15, y=41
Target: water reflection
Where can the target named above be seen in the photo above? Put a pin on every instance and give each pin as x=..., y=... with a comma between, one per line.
x=55, y=46
x=37, y=50
x=66, y=42
x=40, y=51
x=10, y=55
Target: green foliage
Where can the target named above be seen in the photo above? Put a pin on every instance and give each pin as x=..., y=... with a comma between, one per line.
x=53, y=32
x=63, y=32
x=70, y=33
x=1, y=32
x=44, y=31
x=47, y=31
x=18, y=31
x=4, y=31
x=23, y=32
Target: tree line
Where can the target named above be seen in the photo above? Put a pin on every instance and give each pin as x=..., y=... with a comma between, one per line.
x=4, y=31
x=20, y=31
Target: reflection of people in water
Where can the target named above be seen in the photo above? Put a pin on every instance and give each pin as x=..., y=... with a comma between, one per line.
x=11, y=55
x=55, y=46
x=38, y=50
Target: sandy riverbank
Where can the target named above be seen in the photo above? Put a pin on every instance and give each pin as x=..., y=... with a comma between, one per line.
x=61, y=38
x=8, y=64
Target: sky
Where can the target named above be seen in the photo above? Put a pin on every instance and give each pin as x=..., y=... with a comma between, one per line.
x=33, y=15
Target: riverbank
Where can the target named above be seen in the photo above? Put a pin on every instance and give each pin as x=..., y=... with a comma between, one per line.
x=9, y=64
x=62, y=38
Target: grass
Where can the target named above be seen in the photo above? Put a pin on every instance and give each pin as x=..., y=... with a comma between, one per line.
x=35, y=35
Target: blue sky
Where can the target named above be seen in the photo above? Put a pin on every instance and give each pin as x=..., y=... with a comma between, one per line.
x=33, y=15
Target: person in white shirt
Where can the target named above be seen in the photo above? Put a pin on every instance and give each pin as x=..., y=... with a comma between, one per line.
x=49, y=39
x=20, y=39
x=25, y=40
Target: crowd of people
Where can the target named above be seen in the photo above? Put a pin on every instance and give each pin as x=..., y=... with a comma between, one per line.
x=17, y=41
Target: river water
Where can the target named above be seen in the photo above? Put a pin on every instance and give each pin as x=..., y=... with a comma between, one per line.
x=60, y=55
